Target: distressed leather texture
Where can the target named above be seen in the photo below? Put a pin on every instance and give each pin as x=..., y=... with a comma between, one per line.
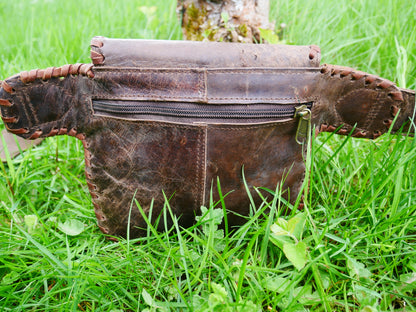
x=161, y=121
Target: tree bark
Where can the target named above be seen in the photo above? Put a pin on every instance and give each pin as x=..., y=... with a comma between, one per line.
x=224, y=20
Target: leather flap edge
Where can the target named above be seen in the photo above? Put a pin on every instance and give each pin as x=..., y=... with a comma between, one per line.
x=191, y=54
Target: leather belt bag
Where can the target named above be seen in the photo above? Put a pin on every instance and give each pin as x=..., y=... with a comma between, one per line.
x=164, y=119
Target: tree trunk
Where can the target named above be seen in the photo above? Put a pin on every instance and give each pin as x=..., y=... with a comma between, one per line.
x=224, y=20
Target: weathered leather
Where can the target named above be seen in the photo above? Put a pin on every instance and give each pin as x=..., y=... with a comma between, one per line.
x=151, y=157
x=364, y=103
x=193, y=54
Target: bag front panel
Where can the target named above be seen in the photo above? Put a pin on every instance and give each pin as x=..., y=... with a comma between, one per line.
x=265, y=155
x=176, y=131
x=157, y=161
x=146, y=161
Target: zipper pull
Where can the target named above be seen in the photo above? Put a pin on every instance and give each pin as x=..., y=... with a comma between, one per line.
x=304, y=125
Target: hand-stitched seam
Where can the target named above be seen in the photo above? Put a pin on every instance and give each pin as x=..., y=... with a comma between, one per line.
x=372, y=82
x=97, y=56
x=10, y=119
x=39, y=131
x=31, y=86
x=245, y=127
x=5, y=103
x=197, y=89
x=25, y=104
x=200, y=176
x=6, y=87
x=237, y=71
x=97, y=42
x=204, y=177
x=57, y=72
x=58, y=131
x=201, y=85
x=374, y=111
x=137, y=70
x=259, y=72
x=93, y=189
x=36, y=122
x=144, y=97
x=314, y=52
x=149, y=123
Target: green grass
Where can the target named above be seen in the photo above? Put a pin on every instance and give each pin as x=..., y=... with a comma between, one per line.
x=359, y=221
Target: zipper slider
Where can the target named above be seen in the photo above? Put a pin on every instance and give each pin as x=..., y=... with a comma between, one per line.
x=304, y=125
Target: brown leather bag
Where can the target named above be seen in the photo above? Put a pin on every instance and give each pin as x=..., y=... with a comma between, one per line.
x=166, y=118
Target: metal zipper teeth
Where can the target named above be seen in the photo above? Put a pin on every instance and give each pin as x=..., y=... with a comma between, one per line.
x=281, y=112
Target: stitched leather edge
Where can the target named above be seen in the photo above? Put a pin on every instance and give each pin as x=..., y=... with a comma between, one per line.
x=371, y=82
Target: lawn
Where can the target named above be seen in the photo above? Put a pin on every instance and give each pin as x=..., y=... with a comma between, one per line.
x=358, y=224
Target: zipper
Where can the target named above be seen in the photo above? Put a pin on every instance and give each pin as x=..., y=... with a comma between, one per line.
x=202, y=111
x=199, y=112
x=303, y=131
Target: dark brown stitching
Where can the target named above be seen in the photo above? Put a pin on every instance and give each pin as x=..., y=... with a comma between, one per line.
x=323, y=127
x=201, y=85
x=342, y=131
x=5, y=103
x=93, y=189
x=17, y=131
x=235, y=71
x=396, y=95
x=57, y=72
x=374, y=112
x=72, y=132
x=394, y=110
x=97, y=42
x=385, y=84
x=376, y=134
x=80, y=136
x=200, y=160
x=6, y=87
x=9, y=119
x=199, y=96
x=388, y=123
x=91, y=186
x=62, y=130
x=36, y=135
x=248, y=99
x=331, y=128
x=314, y=51
x=371, y=82
x=345, y=72
x=271, y=124
x=57, y=131
x=360, y=134
x=357, y=75
x=87, y=156
x=105, y=231
x=370, y=79
x=97, y=58
x=53, y=132
x=148, y=123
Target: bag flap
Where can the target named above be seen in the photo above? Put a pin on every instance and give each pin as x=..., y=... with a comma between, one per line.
x=191, y=54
